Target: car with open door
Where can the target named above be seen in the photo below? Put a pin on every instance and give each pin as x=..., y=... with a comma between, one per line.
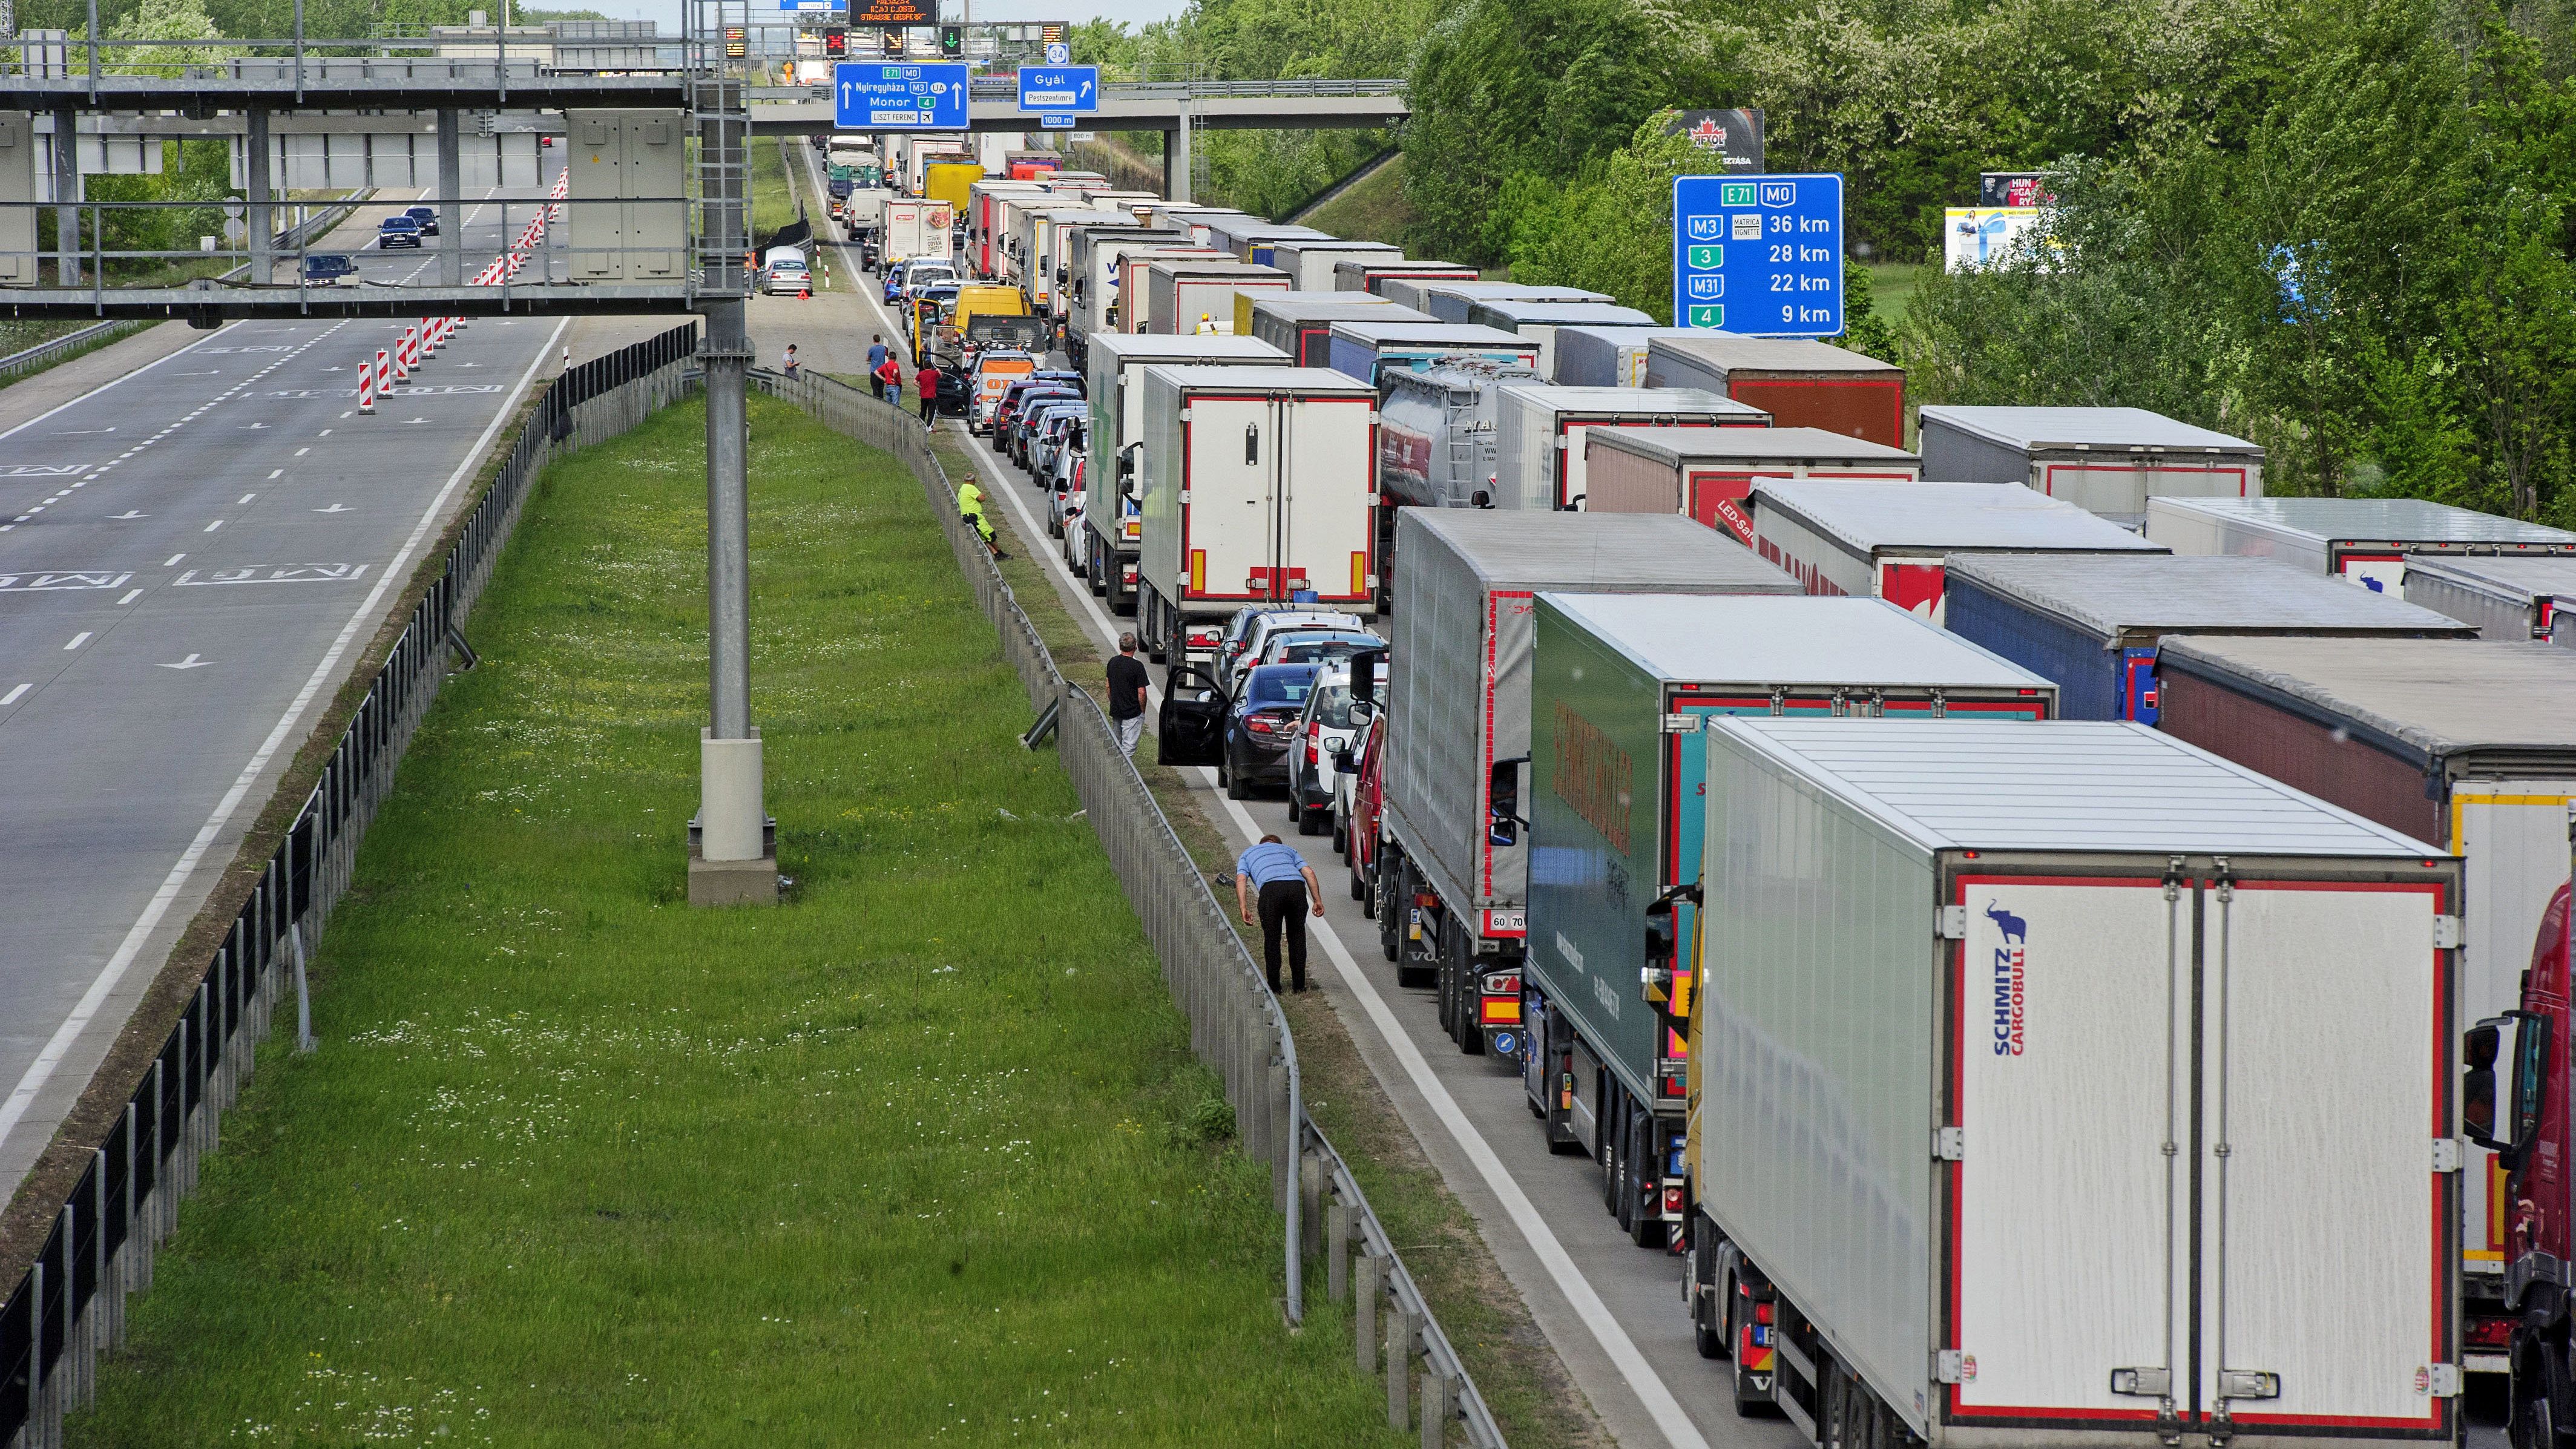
x=1261, y=726
x=1191, y=727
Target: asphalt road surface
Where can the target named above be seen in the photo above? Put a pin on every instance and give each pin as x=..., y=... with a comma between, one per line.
x=192, y=558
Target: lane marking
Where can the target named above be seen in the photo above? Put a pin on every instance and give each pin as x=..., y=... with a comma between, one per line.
x=12, y=696
x=275, y=473
x=245, y=498
x=300, y=452
x=173, y=560
x=211, y=527
x=58, y=1047
x=130, y=596
x=77, y=641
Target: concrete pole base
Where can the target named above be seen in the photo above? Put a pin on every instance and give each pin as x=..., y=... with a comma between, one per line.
x=731, y=865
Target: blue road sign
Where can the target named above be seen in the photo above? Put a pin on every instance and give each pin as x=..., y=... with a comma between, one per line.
x=1058, y=53
x=1759, y=255
x=1059, y=88
x=896, y=95
x=1058, y=121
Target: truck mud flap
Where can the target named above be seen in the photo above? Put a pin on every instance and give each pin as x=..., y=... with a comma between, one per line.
x=1584, y=1109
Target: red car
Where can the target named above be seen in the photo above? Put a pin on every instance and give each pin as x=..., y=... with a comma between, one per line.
x=1358, y=837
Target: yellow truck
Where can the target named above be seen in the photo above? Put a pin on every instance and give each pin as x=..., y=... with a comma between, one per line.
x=949, y=181
x=996, y=316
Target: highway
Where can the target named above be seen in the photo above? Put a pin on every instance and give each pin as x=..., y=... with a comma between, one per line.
x=193, y=558
x=1611, y=1309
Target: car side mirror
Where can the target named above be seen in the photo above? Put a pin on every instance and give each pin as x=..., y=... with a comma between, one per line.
x=2518, y=1042
x=1503, y=820
x=1361, y=710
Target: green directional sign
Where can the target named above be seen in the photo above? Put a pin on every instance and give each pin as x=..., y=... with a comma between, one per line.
x=1707, y=258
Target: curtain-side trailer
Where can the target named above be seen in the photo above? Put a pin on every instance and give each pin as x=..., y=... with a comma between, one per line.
x=1801, y=384
x=2506, y=598
x=2065, y=1085
x=1618, y=689
x=2092, y=622
x=1542, y=463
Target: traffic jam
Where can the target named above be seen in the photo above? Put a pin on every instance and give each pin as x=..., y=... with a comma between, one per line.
x=1990, y=893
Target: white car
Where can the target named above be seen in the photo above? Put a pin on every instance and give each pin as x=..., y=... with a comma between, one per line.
x=1327, y=733
x=1243, y=645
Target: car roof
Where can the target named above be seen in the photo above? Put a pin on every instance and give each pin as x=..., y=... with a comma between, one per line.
x=1326, y=636
x=1281, y=671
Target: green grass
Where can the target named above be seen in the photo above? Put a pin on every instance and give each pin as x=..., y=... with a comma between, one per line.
x=1375, y=210
x=919, y=1157
x=1892, y=289
x=773, y=203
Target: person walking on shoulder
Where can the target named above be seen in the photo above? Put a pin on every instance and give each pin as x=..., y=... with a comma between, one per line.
x=926, y=382
x=876, y=364
x=970, y=506
x=1286, y=885
x=1127, y=685
x=787, y=364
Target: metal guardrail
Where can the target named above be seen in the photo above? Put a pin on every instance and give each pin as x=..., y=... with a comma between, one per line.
x=70, y=1305
x=45, y=352
x=1236, y=1025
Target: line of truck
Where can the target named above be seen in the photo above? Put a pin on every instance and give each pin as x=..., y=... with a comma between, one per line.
x=2043, y=932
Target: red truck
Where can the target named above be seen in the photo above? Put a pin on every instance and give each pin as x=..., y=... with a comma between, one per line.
x=2528, y=1126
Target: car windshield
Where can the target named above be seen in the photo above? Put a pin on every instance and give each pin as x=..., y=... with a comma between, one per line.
x=1280, y=686
x=1316, y=651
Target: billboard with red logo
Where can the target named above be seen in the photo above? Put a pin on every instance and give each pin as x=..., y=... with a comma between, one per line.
x=1735, y=135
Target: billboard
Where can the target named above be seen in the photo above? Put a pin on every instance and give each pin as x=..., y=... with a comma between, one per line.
x=2013, y=188
x=1982, y=236
x=1735, y=135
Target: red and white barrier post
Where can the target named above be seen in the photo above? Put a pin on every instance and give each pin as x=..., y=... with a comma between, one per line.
x=366, y=386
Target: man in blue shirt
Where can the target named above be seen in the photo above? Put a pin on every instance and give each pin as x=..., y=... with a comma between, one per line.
x=876, y=359
x=1285, y=884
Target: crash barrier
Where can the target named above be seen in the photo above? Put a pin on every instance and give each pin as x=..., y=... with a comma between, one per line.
x=70, y=1305
x=1236, y=1026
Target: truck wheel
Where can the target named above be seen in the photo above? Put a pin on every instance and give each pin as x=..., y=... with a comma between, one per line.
x=2540, y=1383
x=1707, y=1335
x=1390, y=867
x=1752, y=1401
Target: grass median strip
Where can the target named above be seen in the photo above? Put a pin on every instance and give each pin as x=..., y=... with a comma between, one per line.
x=919, y=1157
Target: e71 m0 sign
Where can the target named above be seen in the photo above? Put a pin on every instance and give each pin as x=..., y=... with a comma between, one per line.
x=1759, y=255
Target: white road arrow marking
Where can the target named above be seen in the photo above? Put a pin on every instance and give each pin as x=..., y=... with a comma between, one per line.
x=129, y=513
x=252, y=427
x=82, y=432
x=334, y=508
x=191, y=662
x=407, y=422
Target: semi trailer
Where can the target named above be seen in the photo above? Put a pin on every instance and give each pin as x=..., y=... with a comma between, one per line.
x=1453, y=889
x=1543, y=462
x=1707, y=474
x=1369, y=348
x=1540, y=321
x=2467, y=744
x=1619, y=688
x=1192, y=296
x=2364, y=541
x=1372, y=273
x=2109, y=460
x=1112, y=524
x=2092, y=622
x=1890, y=540
x=1258, y=487
x=1301, y=323
x=2506, y=598
x=1607, y=356
x=1801, y=384
x=1451, y=300
x=1311, y=260
x=2065, y=1085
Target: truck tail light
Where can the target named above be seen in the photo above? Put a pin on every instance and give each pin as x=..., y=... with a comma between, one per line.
x=1499, y=1010
x=1672, y=1202
x=1126, y=575
x=1762, y=1311
x=1504, y=983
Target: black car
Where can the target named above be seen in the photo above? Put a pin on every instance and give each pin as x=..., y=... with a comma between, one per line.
x=1246, y=737
x=427, y=216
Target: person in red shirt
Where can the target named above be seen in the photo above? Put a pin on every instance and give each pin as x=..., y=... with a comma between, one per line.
x=890, y=373
x=926, y=382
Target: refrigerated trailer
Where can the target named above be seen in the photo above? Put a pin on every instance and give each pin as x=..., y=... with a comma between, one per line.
x=2470, y=745
x=2092, y=622
x=1801, y=384
x=1113, y=373
x=1093, y=286
x=1540, y=321
x=1301, y=323
x=1707, y=474
x=909, y=228
x=2365, y=541
x=1451, y=299
x=1258, y=488
x=2506, y=598
x=1184, y=296
x=2108, y=460
x=1453, y=894
x=1618, y=688
x=2066, y=1085
x=1369, y=348
x=1311, y=260
x=1134, y=299
x=1371, y=273
x=1543, y=463
x=1890, y=540
x=1607, y=356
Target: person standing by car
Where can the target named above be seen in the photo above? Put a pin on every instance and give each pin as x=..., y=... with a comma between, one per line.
x=876, y=364
x=1127, y=685
x=1286, y=884
x=926, y=381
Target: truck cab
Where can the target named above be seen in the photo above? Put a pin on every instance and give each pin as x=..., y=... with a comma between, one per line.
x=2515, y=1103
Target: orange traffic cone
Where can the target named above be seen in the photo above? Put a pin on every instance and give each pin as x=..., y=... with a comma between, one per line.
x=805, y=294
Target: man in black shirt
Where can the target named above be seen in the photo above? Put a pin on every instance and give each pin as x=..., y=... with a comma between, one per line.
x=1127, y=685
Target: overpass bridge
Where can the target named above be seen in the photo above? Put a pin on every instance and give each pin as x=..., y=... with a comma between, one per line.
x=1166, y=106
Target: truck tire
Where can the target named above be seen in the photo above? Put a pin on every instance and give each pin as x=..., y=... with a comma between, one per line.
x=2540, y=1394
x=1750, y=1402
x=1707, y=1334
x=1644, y=1186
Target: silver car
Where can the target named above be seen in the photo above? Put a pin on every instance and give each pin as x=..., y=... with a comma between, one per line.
x=1327, y=734
x=1242, y=649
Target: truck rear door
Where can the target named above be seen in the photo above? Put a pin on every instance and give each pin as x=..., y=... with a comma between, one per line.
x=2280, y=1174
x=1229, y=510
x=2514, y=833
x=1327, y=535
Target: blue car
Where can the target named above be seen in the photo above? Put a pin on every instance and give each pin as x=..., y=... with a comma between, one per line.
x=1260, y=724
x=322, y=269
x=397, y=231
x=427, y=216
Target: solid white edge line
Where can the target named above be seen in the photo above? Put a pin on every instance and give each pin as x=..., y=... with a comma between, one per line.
x=1652, y=1393
x=58, y=1047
